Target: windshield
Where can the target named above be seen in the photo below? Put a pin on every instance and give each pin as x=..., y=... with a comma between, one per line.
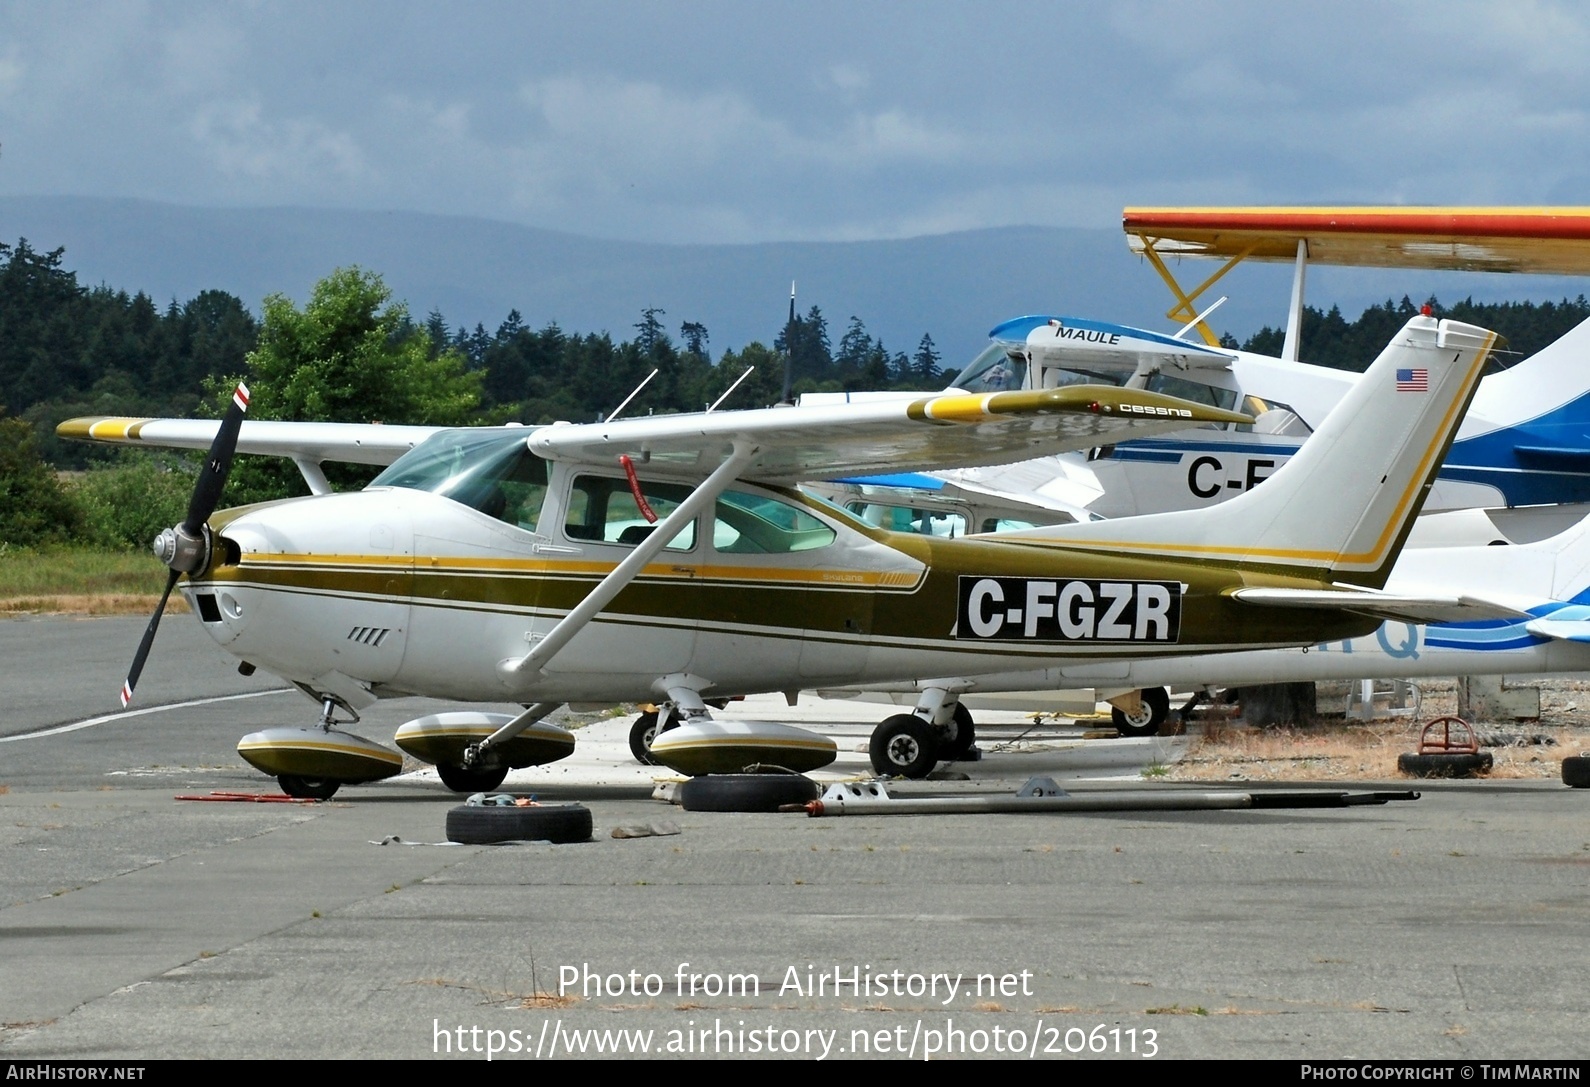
x=491, y=470
x=999, y=367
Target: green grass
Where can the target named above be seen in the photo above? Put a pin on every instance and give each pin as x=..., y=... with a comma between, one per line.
x=78, y=571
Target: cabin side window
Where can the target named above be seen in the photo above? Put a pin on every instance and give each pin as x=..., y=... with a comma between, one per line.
x=759, y=524
x=923, y=522
x=604, y=510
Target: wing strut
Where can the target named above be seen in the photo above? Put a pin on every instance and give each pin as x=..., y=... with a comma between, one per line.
x=1186, y=307
x=529, y=665
x=1294, y=312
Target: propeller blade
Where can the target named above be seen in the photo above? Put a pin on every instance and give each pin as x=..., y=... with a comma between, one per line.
x=217, y=464
x=142, y=655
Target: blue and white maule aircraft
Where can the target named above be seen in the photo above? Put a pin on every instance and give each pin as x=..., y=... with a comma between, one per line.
x=1525, y=440
x=1524, y=443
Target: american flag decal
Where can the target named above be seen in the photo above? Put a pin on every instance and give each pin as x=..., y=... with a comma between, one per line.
x=1416, y=380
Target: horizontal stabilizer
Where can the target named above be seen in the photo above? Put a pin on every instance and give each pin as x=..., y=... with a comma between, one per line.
x=1562, y=630
x=1399, y=607
x=1564, y=456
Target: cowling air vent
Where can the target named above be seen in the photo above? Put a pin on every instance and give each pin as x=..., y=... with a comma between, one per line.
x=371, y=636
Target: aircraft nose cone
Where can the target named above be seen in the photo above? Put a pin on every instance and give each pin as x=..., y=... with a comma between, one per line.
x=165, y=546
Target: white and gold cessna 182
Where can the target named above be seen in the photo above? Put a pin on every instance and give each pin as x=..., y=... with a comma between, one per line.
x=669, y=559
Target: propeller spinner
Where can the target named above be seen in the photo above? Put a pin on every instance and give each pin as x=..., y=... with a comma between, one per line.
x=185, y=548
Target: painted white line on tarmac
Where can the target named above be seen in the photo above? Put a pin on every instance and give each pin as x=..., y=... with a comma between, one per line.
x=92, y=721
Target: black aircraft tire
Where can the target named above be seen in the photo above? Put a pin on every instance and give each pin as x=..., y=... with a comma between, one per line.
x=469, y=779
x=1447, y=764
x=745, y=792
x=1576, y=771
x=303, y=788
x=965, y=736
x=903, y=746
x=483, y=825
x=641, y=734
x=1148, y=720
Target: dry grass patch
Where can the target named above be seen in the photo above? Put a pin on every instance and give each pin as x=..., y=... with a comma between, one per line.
x=89, y=604
x=1334, y=750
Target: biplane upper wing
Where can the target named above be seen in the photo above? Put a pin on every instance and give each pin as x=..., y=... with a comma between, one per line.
x=1546, y=240
x=944, y=431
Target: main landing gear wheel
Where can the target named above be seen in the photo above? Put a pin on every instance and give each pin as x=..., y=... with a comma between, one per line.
x=303, y=788
x=1149, y=716
x=1576, y=771
x=957, y=747
x=903, y=746
x=471, y=779
x=485, y=824
x=745, y=792
x=643, y=732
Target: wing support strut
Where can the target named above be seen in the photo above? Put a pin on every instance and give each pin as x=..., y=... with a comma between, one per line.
x=1294, y=312
x=313, y=474
x=517, y=670
x=1186, y=307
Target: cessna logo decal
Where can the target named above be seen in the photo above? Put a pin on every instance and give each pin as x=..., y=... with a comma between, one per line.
x=1072, y=610
x=1154, y=409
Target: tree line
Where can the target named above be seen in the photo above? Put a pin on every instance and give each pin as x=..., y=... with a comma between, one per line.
x=352, y=353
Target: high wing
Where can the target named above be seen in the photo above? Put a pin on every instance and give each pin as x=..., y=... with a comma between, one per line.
x=792, y=444
x=350, y=443
x=951, y=430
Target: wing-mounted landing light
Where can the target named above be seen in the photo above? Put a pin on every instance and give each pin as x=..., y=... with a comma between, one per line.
x=185, y=548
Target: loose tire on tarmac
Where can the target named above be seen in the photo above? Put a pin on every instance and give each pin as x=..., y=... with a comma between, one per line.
x=745, y=792
x=302, y=788
x=1576, y=771
x=1149, y=717
x=903, y=746
x=471, y=779
x=486, y=824
x=1445, y=764
x=965, y=736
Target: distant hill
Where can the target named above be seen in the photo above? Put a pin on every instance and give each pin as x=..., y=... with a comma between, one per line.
x=953, y=286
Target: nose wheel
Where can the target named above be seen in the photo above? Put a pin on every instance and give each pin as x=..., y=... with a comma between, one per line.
x=303, y=788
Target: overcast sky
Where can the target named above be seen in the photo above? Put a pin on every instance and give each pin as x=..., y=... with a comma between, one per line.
x=749, y=121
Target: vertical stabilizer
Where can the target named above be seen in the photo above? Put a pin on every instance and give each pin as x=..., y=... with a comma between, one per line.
x=1341, y=507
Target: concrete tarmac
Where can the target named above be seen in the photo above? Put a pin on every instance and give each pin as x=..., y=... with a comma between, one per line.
x=135, y=926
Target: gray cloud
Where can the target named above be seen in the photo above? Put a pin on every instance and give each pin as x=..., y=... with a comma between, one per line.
x=723, y=121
